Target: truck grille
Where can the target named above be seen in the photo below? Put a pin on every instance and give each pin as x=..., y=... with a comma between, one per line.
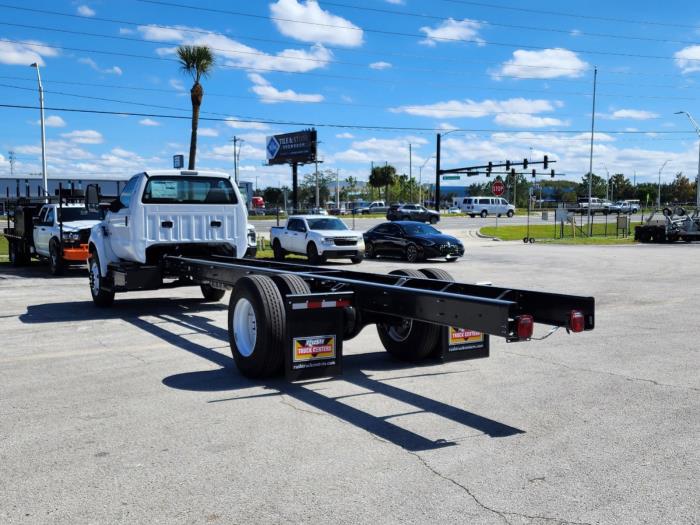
x=345, y=242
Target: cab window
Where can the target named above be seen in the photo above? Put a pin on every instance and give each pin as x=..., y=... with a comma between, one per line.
x=49, y=217
x=125, y=195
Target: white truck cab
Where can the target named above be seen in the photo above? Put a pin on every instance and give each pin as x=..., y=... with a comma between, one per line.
x=160, y=213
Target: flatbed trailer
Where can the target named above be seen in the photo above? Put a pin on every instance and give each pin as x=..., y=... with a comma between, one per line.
x=669, y=225
x=295, y=317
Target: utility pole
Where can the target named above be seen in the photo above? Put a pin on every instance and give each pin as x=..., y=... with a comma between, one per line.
x=44, y=175
x=410, y=167
x=236, y=156
x=590, y=164
x=658, y=199
x=437, y=174
x=337, y=188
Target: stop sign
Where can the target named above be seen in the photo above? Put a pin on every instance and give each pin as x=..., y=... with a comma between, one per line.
x=498, y=188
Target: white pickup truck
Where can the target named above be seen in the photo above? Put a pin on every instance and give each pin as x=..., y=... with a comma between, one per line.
x=160, y=213
x=319, y=237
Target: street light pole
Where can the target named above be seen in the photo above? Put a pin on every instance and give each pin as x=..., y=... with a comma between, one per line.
x=420, y=179
x=697, y=178
x=43, y=134
x=658, y=200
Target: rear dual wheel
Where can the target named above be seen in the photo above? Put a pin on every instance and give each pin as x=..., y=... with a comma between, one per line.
x=257, y=322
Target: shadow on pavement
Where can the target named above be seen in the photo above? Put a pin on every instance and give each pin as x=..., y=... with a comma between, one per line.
x=183, y=312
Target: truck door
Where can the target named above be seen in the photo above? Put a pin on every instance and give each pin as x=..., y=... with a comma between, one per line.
x=42, y=231
x=296, y=233
x=118, y=222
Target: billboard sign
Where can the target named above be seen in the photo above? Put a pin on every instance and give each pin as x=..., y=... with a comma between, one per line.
x=299, y=146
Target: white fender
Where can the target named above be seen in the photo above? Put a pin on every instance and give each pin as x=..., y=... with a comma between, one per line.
x=99, y=242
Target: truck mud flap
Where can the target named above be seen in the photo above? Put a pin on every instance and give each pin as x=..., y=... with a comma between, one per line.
x=314, y=340
x=458, y=344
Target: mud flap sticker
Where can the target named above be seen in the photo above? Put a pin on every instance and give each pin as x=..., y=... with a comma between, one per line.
x=463, y=343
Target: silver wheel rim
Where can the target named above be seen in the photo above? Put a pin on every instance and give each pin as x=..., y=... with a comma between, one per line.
x=245, y=327
x=94, y=278
x=401, y=332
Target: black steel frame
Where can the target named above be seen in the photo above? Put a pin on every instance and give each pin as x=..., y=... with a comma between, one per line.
x=388, y=298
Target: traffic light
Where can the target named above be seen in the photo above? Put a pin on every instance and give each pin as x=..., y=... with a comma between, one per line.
x=507, y=165
x=489, y=167
x=534, y=172
x=512, y=172
x=524, y=164
x=552, y=174
x=546, y=162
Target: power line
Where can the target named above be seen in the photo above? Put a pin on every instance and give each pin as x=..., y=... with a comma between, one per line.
x=398, y=33
x=510, y=26
x=343, y=126
x=288, y=42
x=571, y=15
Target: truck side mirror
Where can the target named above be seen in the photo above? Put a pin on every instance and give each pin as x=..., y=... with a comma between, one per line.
x=115, y=205
x=92, y=198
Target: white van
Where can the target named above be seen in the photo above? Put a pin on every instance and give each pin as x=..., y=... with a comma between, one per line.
x=485, y=206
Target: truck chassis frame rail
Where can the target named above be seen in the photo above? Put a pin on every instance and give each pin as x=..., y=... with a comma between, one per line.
x=412, y=310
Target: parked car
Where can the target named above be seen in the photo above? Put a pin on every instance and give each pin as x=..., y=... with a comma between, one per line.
x=374, y=207
x=410, y=240
x=412, y=212
x=485, y=206
x=454, y=209
x=319, y=237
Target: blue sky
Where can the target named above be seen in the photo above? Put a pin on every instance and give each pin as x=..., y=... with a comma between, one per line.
x=514, y=78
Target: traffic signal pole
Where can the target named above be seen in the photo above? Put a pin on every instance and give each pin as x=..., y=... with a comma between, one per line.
x=437, y=175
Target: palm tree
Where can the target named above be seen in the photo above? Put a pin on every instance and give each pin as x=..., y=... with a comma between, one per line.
x=197, y=61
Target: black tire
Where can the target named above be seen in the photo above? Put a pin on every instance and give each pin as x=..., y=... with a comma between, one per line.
x=288, y=283
x=411, y=340
x=531, y=240
x=472, y=215
x=510, y=213
x=100, y=297
x=412, y=253
x=312, y=254
x=437, y=273
x=357, y=259
x=433, y=220
x=525, y=239
x=211, y=294
x=484, y=214
x=259, y=296
x=56, y=264
x=16, y=254
x=277, y=251
x=369, y=251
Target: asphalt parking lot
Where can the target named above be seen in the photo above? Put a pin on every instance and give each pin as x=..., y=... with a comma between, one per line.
x=137, y=414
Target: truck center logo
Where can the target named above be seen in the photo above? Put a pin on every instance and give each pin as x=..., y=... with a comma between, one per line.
x=313, y=348
x=460, y=335
x=272, y=147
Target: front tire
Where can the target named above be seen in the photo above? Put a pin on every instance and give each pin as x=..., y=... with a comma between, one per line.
x=256, y=326
x=313, y=256
x=412, y=254
x=55, y=260
x=484, y=214
x=211, y=294
x=409, y=340
x=369, y=251
x=510, y=213
x=433, y=220
x=357, y=259
x=100, y=297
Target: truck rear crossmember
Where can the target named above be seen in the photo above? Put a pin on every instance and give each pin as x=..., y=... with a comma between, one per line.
x=413, y=311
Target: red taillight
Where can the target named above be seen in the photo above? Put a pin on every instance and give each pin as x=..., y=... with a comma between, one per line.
x=524, y=326
x=577, y=322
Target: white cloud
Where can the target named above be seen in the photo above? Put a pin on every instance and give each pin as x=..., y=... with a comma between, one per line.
x=380, y=65
x=319, y=26
x=240, y=124
x=345, y=136
x=85, y=136
x=688, y=59
x=235, y=54
x=519, y=120
x=575, y=32
x=26, y=53
x=631, y=114
x=207, y=132
x=394, y=151
x=396, y=2
x=149, y=122
x=53, y=121
x=84, y=10
x=548, y=63
x=271, y=95
x=472, y=109
x=114, y=70
x=452, y=29
x=126, y=31
x=176, y=84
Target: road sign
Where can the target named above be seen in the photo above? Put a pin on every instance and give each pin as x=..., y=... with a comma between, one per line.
x=498, y=188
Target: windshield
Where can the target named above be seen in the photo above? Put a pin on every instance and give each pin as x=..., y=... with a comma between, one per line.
x=188, y=190
x=326, y=224
x=78, y=214
x=419, y=229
